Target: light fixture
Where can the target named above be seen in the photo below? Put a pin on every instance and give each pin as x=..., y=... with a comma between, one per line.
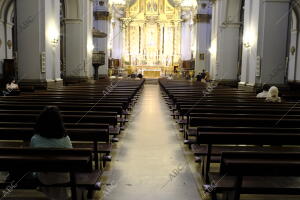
x=54, y=42
x=248, y=39
x=53, y=35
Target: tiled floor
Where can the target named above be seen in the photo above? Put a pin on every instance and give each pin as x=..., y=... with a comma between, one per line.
x=149, y=162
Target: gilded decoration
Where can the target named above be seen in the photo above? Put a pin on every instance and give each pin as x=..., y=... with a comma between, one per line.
x=151, y=43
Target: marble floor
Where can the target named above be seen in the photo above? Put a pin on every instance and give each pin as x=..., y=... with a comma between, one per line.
x=149, y=162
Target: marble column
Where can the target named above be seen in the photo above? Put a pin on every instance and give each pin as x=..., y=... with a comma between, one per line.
x=186, y=36
x=101, y=23
x=225, y=40
x=79, y=43
x=265, y=42
x=203, y=33
x=38, y=47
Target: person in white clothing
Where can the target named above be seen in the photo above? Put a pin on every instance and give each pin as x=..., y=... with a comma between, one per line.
x=273, y=95
x=264, y=93
x=12, y=85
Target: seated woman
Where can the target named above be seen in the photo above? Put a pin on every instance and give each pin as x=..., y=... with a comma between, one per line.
x=11, y=88
x=273, y=95
x=265, y=92
x=12, y=85
x=50, y=133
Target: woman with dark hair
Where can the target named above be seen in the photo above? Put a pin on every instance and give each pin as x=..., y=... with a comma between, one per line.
x=11, y=88
x=50, y=124
x=264, y=93
x=12, y=85
x=50, y=133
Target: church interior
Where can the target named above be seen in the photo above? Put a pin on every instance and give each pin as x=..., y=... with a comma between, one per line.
x=149, y=99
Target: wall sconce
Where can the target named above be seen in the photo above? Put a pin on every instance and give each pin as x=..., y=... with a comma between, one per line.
x=247, y=45
x=54, y=42
x=53, y=35
x=248, y=39
x=293, y=50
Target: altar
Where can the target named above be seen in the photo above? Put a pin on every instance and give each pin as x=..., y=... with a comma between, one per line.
x=151, y=44
x=150, y=72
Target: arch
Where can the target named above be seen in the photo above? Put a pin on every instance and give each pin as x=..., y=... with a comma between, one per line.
x=5, y=6
x=10, y=12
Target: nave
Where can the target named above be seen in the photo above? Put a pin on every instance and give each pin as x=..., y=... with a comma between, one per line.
x=148, y=158
x=150, y=161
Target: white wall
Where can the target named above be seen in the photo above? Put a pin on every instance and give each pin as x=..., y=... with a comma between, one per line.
x=29, y=60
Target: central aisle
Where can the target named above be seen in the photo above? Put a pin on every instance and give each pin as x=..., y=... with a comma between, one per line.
x=149, y=162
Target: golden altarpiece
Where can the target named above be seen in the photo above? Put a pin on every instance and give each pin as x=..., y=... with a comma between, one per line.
x=152, y=37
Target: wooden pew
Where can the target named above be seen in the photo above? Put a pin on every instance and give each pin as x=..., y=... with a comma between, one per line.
x=77, y=162
x=245, y=138
x=98, y=140
x=257, y=173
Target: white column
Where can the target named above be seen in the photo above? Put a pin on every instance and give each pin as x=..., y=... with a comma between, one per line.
x=186, y=35
x=225, y=40
x=117, y=39
x=101, y=23
x=265, y=41
x=38, y=34
x=203, y=33
x=79, y=42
